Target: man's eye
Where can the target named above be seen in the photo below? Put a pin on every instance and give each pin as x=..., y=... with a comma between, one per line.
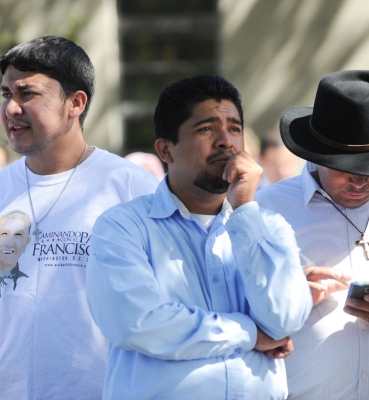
x=3, y=234
x=6, y=95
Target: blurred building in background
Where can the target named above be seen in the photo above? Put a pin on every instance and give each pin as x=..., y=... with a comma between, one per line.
x=274, y=52
x=161, y=42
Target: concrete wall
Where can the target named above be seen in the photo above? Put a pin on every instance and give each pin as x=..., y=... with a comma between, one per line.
x=276, y=51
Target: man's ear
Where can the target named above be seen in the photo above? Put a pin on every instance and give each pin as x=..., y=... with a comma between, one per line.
x=163, y=148
x=77, y=103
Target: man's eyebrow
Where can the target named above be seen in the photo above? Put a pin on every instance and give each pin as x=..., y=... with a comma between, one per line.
x=20, y=86
x=235, y=121
x=216, y=119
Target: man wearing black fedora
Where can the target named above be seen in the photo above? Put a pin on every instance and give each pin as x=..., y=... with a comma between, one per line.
x=328, y=208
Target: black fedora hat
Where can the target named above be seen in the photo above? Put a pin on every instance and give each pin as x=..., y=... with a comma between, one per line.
x=335, y=132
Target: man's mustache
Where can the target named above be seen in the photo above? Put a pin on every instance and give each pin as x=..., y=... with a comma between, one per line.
x=220, y=153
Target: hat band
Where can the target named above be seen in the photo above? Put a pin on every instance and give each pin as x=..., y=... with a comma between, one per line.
x=355, y=148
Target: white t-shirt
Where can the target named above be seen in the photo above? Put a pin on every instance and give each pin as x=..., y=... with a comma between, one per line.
x=50, y=347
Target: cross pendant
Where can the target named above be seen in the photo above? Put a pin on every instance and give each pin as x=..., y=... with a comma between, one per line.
x=365, y=245
x=36, y=233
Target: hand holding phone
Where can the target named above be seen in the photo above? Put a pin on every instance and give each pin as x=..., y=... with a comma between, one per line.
x=358, y=290
x=356, y=305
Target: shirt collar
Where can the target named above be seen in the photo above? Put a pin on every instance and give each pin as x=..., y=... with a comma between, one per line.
x=309, y=184
x=165, y=203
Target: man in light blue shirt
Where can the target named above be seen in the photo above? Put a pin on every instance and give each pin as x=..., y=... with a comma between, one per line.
x=196, y=288
x=328, y=208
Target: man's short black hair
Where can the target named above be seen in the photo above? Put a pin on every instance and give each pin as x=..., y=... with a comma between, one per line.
x=177, y=101
x=59, y=59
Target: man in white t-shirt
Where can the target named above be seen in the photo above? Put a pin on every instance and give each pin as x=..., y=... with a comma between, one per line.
x=54, y=193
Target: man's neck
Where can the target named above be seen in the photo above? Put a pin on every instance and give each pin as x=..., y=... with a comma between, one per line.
x=198, y=201
x=52, y=162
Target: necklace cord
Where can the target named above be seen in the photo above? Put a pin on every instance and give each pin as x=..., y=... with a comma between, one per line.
x=362, y=233
x=29, y=191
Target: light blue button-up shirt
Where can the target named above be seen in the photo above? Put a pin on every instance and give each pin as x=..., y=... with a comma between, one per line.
x=180, y=305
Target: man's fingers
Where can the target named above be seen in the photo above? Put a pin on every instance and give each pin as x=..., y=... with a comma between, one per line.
x=239, y=164
x=232, y=173
x=323, y=288
x=335, y=286
x=358, y=304
x=314, y=274
x=364, y=315
x=358, y=308
x=317, y=287
x=282, y=351
x=317, y=297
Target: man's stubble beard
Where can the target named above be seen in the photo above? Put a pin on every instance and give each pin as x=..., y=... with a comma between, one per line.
x=33, y=150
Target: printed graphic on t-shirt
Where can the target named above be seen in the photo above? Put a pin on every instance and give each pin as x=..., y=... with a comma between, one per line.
x=14, y=238
x=67, y=248
x=54, y=249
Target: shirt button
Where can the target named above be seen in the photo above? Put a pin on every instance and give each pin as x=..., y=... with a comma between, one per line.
x=363, y=326
x=215, y=279
x=232, y=233
x=208, y=241
x=364, y=374
x=246, y=272
x=235, y=397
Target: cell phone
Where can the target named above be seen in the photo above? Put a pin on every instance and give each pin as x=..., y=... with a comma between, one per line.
x=358, y=289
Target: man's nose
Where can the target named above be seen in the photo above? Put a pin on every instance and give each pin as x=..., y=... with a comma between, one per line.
x=13, y=108
x=224, y=139
x=359, y=181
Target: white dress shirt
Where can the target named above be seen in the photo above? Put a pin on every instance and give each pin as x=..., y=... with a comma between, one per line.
x=331, y=357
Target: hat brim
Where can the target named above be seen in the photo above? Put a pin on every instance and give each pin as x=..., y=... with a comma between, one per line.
x=295, y=133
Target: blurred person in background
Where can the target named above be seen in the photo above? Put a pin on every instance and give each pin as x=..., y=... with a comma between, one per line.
x=276, y=160
x=251, y=142
x=148, y=161
x=3, y=157
x=50, y=348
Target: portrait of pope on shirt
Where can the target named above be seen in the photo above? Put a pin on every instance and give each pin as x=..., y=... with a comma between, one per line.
x=14, y=238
